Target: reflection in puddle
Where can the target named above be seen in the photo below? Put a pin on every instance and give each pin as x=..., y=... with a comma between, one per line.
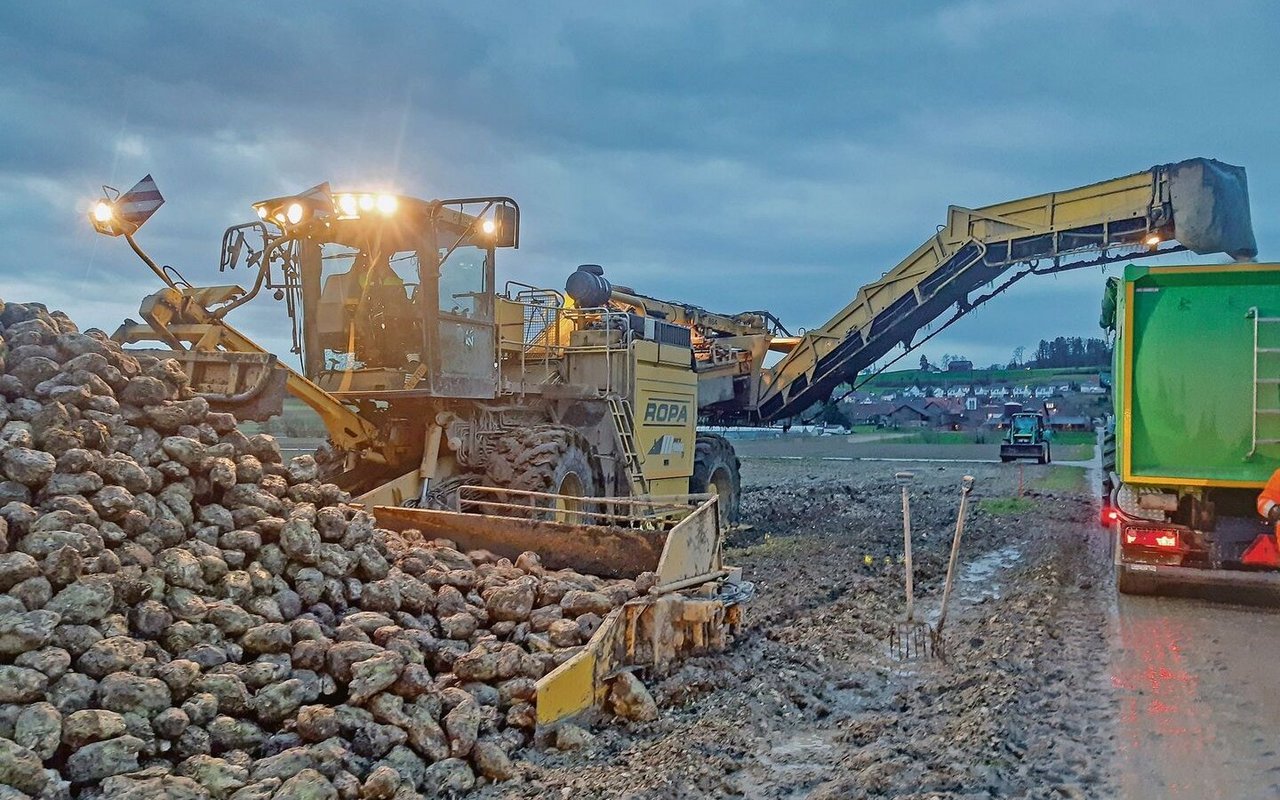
x=976, y=578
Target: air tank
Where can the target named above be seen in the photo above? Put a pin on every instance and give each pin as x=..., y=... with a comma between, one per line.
x=588, y=287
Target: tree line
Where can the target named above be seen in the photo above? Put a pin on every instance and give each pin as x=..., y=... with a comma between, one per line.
x=1065, y=351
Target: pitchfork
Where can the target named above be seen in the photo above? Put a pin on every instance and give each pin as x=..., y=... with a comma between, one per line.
x=909, y=638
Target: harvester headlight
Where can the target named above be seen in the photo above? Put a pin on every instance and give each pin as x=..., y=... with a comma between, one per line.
x=279, y=217
x=488, y=227
x=295, y=213
x=103, y=212
x=1152, y=240
x=366, y=202
x=262, y=211
x=348, y=206
x=387, y=203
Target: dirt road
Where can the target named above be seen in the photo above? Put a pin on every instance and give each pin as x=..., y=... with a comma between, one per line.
x=1198, y=699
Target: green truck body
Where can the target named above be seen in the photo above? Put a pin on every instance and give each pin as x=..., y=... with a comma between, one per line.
x=1196, y=388
x=1184, y=375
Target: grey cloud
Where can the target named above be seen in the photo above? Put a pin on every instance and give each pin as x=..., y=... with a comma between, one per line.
x=736, y=156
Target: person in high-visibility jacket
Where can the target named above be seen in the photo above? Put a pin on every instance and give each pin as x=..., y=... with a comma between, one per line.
x=1269, y=501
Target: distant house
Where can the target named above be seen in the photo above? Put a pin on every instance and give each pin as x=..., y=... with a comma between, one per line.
x=1060, y=422
x=876, y=413
x=1043, y=392
x=960, y=365
x=907, y=415
x=1092, y=388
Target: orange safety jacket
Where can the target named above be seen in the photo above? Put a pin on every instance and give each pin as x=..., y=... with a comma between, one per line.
x=1270, y=497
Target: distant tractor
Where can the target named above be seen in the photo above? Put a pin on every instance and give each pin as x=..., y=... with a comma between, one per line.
x=1026, y=437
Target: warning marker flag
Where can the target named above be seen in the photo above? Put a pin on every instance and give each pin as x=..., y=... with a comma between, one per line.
x=136, y=206
x=126, y=213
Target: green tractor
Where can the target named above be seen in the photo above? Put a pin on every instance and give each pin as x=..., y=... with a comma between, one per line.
x=1027, y=437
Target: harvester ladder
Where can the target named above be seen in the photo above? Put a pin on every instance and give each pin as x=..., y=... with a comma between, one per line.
x=1264, y=375
x=624, y=424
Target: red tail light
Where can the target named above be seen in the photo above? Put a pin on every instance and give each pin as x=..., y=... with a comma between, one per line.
x=1152, y=537
x=1107, y=516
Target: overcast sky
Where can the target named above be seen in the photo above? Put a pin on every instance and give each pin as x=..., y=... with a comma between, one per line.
x=732, y=155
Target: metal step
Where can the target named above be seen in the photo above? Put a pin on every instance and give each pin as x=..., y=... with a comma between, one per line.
x=624, y=424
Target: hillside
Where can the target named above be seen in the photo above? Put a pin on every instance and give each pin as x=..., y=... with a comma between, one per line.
x=982, y=377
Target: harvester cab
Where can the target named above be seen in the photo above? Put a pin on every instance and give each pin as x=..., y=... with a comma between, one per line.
x=1027, y=436
x=386, y=292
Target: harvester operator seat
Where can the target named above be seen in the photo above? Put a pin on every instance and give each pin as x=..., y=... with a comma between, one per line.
x=373, y=308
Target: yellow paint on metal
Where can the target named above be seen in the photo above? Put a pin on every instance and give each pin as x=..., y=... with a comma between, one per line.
x=1122, y=198
x=568, y=689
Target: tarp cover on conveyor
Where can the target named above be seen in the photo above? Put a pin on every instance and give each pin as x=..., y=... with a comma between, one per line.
x=1211, y=208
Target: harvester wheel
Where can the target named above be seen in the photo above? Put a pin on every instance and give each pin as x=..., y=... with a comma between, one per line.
x=549, y=458
x=715, y=470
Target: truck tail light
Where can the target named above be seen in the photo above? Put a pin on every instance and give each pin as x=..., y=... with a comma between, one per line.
x=1107, y=516
x=1152, y=537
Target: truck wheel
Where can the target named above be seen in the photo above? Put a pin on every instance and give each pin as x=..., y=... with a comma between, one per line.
x=716, y=471
x=1048, y=454
x=549, y=458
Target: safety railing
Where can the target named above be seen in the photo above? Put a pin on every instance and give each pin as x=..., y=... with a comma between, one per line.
x=547, y=335
x=661, y=513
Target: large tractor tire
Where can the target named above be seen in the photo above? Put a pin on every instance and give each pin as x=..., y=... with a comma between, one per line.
x=716, y=471
x=549, y=458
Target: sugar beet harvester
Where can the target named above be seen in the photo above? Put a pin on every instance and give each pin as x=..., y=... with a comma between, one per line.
x=430, y=381
x=501, y=422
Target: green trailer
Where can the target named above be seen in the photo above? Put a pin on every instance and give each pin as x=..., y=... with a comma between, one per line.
x=1196, y=426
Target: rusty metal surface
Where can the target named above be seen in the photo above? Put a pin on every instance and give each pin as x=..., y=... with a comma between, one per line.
x=593, y=549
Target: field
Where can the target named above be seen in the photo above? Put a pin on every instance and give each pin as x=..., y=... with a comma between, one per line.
x=983, y=377
x=811, y=703
x=928, y=444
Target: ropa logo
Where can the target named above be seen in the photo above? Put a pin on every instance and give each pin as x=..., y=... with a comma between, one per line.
x=665, y=412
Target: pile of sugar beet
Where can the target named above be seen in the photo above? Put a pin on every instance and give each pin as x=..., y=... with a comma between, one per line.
x=187, y=615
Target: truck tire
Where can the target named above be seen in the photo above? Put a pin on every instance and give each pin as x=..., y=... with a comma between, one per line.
x=716, y=471
x=548, y=458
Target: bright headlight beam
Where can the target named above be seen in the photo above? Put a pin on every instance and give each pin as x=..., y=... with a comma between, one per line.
x=487, y=226
x=366, y=202
x=387, y=203
x=347, y=205
x=295, y=212
x=103, y=212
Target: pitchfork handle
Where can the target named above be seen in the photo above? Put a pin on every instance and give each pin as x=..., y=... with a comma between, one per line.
x=966, y=487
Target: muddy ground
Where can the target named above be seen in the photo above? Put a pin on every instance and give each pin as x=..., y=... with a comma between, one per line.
x=811, y=703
